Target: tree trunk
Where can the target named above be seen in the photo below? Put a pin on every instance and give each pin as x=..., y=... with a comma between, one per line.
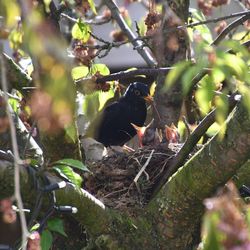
x=172, y=47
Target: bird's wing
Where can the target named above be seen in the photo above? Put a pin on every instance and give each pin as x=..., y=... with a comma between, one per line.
x=104, y=119
x=112, y=114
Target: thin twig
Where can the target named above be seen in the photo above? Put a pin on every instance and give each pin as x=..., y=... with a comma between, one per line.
x=98, y=20
x=214, y=20
x=229, y=28
x=143, y=167
x=131, y=36
x=126, y=74
x=184, y=119
x=17, y=159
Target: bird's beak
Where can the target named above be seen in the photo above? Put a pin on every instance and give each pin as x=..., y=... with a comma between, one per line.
x=139, y=130
x=148, y=98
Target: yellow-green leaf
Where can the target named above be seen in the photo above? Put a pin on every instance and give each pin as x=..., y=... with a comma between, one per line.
x=92, y=6
x=79, y=72
x=80, y=31
x=101, y=68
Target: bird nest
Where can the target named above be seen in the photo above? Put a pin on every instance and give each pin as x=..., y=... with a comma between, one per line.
x=125, y=180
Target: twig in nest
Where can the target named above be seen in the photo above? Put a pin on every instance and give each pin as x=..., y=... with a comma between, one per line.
x=115, y=192
x=143, y=167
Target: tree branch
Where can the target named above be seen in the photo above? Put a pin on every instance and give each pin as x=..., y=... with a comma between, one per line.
x=214, y=20
x=126, y=74
x=98, y=20
x=229, y=28
x=131, y=36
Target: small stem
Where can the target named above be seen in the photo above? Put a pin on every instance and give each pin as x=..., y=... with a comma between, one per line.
x=17, y=159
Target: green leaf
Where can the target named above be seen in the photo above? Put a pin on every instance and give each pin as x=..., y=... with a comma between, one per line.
x=73, y=163
x=104, y=97
x=213, y=129
x=203, y=30
x=205, y=94
x=91, y=105
x=81, y=31
x=10, y=9
x=92, y=6
x=79, y=72
x=68, y=173
x=101, y=68
x=16, y=38
x=189, y=74
x=212, y=239
x=218, y=75
x=47, y=3
x=71, y=132
x=14, y=103
x=236, y=47
x=35, y=227
x=46, y=240
x=56, y=225
x=175, y=74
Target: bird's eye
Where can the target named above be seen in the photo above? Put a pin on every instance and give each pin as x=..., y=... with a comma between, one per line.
x=137, y=92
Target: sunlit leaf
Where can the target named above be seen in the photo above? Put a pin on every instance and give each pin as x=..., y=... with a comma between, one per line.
x=221, y=103
x=203, y=30
x=175, y=74
x=189, y=74
x=142, y=27
x=217, y=75
x=152, y=88
x=92, y=6
x=56, y=225
x=73, y=163
x=91, y=105
x=104, y=97
x=35, y=227
x=236, y=47
x=15, y=38
x=204, y=95
x=46, y=240
x=79, y=72
x=68, y=173
x=71, y=132
x=212, y=240
x=100, y=68
x=213, y=129
x=12, y=12
x=47, y=3
x=80, y=31
x=14, y=103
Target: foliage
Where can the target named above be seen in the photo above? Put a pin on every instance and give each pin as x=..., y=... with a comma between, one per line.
x=65, y=168
x=226, y=224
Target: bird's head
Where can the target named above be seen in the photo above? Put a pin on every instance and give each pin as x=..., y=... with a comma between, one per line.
x=138, y=90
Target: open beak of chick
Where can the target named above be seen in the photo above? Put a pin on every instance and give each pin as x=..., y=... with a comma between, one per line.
x=147, y=135
x=171, y=133
x=140, y=133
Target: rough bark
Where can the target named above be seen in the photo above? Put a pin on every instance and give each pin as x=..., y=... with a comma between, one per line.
x=173, y=47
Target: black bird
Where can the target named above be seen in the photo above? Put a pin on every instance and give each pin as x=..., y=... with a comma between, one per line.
x=113, y=126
